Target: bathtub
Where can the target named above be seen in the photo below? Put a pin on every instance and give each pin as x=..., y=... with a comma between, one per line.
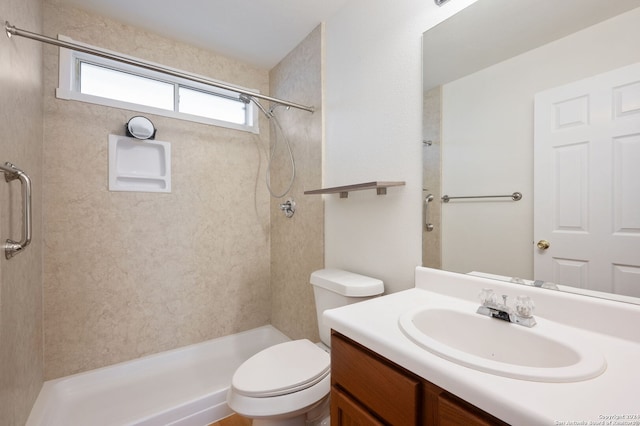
x=181, y=387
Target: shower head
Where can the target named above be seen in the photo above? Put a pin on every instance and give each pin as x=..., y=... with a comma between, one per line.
x=246, y=99
x=269, y=113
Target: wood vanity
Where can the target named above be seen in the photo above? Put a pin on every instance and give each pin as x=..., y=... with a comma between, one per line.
x=368, y=389
x=382, y=376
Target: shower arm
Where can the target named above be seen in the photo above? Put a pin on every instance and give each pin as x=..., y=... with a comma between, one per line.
x=246, y=99
x=11, y=30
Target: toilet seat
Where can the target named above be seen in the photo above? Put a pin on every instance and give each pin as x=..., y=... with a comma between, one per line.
x=283, y=406
x=282, y=369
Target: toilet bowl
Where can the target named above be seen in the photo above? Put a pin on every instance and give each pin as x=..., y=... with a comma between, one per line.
x=288, y=384
x=280, y=384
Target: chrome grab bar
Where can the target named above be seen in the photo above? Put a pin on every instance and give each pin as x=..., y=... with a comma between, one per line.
x=427, y=225
x=11, y=172
x=516, y=196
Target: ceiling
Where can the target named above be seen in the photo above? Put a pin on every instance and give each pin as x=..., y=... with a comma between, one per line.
x=258, y=32
x=475, y=37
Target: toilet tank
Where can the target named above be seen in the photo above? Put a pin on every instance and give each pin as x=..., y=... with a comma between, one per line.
x=333, y=288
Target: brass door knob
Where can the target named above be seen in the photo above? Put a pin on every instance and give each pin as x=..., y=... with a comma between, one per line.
x=543, y=244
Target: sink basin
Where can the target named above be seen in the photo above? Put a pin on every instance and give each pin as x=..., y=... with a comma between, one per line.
x=544, y=353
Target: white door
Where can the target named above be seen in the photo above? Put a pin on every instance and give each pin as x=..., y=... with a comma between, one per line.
x=587, y=183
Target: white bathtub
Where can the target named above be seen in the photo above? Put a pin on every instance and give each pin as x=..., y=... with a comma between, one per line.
x=185, y=386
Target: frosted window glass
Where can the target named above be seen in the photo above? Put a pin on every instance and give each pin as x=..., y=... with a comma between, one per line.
x=118, y=85
x=209, y=105
x=106, y=82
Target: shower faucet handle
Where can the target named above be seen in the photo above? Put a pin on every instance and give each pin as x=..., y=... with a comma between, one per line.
x=288, y=207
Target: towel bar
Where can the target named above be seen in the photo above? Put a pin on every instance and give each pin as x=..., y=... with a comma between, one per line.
x=516, y=196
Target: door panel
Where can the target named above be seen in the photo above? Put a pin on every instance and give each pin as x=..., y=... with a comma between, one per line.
x=587, y=182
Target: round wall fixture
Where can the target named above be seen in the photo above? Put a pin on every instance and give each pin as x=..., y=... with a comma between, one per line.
x=140, y=128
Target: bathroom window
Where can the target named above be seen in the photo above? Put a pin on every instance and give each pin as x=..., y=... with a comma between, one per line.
x=89, y=78
x=206, y=104
x=96, y=80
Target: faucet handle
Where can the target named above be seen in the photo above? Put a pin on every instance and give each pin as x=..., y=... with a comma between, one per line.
x=524, y=306
x=488, y=297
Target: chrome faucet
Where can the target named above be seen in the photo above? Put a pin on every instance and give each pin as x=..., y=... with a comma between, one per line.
x=491, y=308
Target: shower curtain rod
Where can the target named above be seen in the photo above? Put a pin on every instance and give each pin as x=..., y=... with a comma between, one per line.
x=11, y=30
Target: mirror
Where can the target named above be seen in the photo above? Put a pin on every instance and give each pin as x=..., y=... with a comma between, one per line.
x=482, y=70
x=140, y=128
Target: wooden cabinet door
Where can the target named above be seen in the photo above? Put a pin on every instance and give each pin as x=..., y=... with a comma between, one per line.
x=372, y=381
x=347, y=412
x=370, y=390
x=445, y=409
x=453, y=414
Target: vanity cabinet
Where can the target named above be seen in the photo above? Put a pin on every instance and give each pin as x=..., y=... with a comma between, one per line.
x=367, y=389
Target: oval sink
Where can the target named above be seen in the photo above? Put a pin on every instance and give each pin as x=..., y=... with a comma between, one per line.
x=542, y=353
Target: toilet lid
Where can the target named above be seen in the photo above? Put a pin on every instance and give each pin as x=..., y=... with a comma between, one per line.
x=281, y=369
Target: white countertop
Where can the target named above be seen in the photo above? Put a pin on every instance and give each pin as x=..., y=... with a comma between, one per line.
x=612, y=328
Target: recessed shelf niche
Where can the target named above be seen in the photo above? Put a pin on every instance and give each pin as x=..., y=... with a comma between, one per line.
x=139, y=165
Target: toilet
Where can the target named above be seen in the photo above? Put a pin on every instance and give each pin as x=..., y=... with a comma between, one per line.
x=288, y=384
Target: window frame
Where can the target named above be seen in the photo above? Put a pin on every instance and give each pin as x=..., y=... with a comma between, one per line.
x=69, y=87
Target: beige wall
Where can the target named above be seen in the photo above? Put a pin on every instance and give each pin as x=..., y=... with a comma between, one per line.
x=297, y=244
x=431, y=177
x=129, y=274
x=21, y=277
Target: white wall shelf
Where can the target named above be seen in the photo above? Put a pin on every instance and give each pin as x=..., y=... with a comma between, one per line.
x=380, y=187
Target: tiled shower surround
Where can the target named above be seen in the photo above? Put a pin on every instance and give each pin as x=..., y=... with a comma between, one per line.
x=130, y=274
x=112, y=276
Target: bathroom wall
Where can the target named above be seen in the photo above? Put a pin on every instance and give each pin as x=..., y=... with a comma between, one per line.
x=297, y=243
x=373, y=116
x=21, y=363
x=500, y=97
x=130, y=274
x=432, y=177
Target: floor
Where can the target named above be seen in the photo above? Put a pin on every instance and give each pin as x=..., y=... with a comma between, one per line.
x=233, y=420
